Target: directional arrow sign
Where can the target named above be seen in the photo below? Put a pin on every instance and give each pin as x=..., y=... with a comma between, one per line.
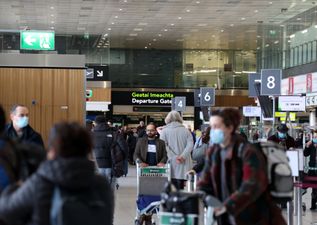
x=37, y=40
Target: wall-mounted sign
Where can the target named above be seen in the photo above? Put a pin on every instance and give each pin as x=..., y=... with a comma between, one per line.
x=37, y=40
x=143, y=98
x=88, y=93
x=207, y=96
x=311, y=100
x=271, y=82
x=252, y=111
x=291, y=103
x=282, y=116
x=97, y=73
x=179, y=104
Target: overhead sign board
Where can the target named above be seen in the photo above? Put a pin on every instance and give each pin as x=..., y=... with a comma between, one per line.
x=207, y=96
x=252, y=78
x=252, y=111
x=37, y=40
x=271, y=82
x=97, y=73
x=292, y=103
x=179, y=104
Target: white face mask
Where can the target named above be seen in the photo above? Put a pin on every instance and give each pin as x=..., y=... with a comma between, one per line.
x=22, y=122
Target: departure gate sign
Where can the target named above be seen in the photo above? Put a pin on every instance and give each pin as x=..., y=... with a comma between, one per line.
x=37, y=40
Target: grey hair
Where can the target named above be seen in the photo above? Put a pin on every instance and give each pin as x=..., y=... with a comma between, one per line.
x=173, y=116
x=14, y=107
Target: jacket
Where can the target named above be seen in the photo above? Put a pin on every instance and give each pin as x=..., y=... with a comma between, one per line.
x=179, y=142
x=29, y=135
x=142, y=148
x=31, y=203
x=249, y=200
x=287, y=143
x=312, y=152
x=102, y=136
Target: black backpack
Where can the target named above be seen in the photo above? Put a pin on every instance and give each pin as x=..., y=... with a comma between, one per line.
x=77, y=207
x=118, y=155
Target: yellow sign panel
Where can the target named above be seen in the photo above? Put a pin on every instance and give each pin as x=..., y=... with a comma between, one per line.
x=292, y=117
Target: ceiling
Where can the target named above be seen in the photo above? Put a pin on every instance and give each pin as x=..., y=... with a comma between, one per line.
x=164, y=24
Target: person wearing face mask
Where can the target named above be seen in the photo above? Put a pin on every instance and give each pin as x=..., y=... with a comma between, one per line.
x=282, y=137
x=19, y=128
x=235, y=173
x=311, y=152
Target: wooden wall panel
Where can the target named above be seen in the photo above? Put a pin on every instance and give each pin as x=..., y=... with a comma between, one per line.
x=52, y=95
x=101, y=94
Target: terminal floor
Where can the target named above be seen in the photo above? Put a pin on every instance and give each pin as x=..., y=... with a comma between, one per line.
x=126, y=196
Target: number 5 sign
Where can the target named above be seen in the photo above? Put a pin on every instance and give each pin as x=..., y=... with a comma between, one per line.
x=271, y=82
x=207, y=96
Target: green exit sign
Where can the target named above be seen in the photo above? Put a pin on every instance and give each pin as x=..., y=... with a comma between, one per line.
x=37, y=40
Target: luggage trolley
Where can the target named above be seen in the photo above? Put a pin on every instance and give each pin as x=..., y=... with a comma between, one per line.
x=150, y=184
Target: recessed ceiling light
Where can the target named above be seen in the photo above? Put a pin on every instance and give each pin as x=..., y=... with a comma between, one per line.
x=133, y=35
x=160, y=35
x=142, y=24
x=120, y=9
x=292, y=36
x=109, y=28
x=282, y=25
x=52, y=22
x=270, y=3
x=213, y=36
x=304, y=31
x=137, y=29
x=112, y=23
x=52, y=28
x=125, y=1
x=303, y=0
x=180, y=40
x=256, y=11
x=222, y=31
x=267, y=45
x=258, y=36
x=116, y=17
x=172, y=24
x=197, y=2
x=242, y=18
x=315, y=26
x=165, y=30
x=105, y=35
x=188, y=10
x=231, y=25
x=299, y=18
x=52, y=7
x=145, y=47
x=154, y=39
x=179, y=18
x=276, y=42
x=289, y=41
x=258, y=48
x=52, y=15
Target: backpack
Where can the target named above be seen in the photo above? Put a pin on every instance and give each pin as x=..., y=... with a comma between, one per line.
x=118, y=156
x=278, y=170
x=77, y=207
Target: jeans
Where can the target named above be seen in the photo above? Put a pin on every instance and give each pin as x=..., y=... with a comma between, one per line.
x=106, y=172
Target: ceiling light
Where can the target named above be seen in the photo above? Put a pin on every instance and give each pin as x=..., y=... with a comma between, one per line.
x=242, y=18
x=179, y=18
x=112, y=23
x=52, y=15
x=109, y=28
x=154, y=39
x=52, y=28
x=231, y=25
x=137, y=29
x=282, y=25
x=304, y=31
x=133, y=35
x=125, y=1
x=150, y=44
x=267, y=45
x=299, y=18
x=145, y=47
x=52, y=7
x=188, y=10
x=291, y=36
x=160, y=35
x=197, y=2
x=116, y=17
x=120, y=9
x=303, y=0
x=165, y=30
x=258, y=48
x=276, y=42
x=248, y=71
x=52, y=22
x=180, y=40
x=222, y=31
x=315, y=26
x=213, y=36
x=142, y=24
x=105, y=35
x=172, y=24
x=258, y=36
x=256, y=11
x=289, y=41
x=270, y=3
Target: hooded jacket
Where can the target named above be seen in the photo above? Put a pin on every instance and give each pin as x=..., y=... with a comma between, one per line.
x=31, y=203
x=179, y=142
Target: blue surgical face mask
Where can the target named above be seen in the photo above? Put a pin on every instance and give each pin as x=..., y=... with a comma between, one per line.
x=22, y=122
x=217, y=136
x=315, y=140
x=281, y=135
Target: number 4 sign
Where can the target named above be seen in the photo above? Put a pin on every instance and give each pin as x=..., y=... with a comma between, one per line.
x=271, y=82
x=207, y=96
x=180, y=104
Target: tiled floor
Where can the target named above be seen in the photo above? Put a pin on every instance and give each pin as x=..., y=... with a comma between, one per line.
x=126, y=195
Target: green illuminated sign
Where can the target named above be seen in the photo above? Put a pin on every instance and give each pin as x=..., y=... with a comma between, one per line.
x=37, y=40
x=88, y=93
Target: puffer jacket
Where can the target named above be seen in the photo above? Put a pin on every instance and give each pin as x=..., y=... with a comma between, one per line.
x=31, y=203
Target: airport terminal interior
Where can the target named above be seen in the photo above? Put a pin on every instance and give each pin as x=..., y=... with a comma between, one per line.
x=136, y=60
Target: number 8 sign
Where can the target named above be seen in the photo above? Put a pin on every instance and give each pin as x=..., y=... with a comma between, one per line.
x=271, y=82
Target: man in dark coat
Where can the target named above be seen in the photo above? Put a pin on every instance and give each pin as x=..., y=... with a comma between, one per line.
x=103, y=139
x=282, y=137
x=19, y=128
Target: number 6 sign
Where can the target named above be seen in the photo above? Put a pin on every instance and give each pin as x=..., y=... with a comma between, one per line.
x=207, y=96
x=271, y=82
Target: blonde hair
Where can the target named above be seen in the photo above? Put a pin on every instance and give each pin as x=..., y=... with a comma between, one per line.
x=173, y=116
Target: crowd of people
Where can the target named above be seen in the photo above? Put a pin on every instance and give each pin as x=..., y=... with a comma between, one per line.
x=80, y=159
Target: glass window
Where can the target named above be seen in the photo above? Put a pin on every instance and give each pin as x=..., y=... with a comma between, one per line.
x=300, y=55
x=304, y=53
x=292, y=57
x=314, y=49
x=309, y=52
x=295, y=56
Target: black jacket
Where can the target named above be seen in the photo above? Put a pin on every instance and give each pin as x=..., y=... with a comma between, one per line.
x=103, y=138
x=311, y=151
x=29, y=135
x=31, y=203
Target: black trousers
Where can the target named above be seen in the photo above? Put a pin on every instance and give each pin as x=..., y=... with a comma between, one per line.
x=178, y=183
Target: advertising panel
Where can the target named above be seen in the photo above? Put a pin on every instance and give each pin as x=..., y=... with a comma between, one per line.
x=291, y=103
x=300, y=84
x=314, y=82
x=252, y=111
x=284, y=87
